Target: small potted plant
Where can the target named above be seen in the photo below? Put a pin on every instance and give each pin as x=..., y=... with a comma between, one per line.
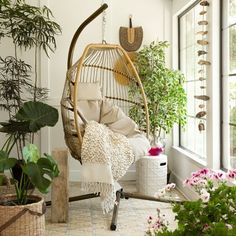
x=164, y=90
x=22, y=206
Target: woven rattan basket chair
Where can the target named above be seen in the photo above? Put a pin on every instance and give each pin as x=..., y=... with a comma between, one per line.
x=111, y=67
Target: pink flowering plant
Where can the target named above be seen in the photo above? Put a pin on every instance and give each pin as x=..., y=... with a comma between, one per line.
x=214, y=213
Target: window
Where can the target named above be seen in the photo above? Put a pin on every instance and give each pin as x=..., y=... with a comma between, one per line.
x=229, y=84
x=191, y=138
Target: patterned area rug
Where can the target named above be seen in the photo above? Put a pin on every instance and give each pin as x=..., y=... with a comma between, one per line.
x=86, y=217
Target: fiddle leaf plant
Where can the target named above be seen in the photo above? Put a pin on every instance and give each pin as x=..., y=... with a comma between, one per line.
x=166, y=97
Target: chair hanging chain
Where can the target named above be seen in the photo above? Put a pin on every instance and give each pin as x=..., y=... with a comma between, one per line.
x=103, y=25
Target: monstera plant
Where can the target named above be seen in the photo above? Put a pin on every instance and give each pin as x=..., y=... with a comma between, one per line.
x=31, y=117
x=37, y=170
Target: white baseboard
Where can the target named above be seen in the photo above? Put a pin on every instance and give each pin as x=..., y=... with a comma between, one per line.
x=188, y=193
x=74, y=175
x=130, y=175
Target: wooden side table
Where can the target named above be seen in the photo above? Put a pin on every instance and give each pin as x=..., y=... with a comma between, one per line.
x=151, y=174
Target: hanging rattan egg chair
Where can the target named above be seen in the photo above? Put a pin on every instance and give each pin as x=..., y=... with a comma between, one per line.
x=109, y=66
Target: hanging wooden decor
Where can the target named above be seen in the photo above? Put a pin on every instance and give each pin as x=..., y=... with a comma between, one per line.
x=203, y=62
x=131, y=37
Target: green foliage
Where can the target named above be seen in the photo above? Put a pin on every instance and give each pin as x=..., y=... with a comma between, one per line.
x=31, y=117
x=215, y=217
x=213, y=213
x=38, y=115
x=29, y=27
x=163, y=87
x=37, y=170
x=6, y=162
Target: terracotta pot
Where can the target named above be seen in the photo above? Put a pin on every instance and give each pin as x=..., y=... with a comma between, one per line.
x=22, y=220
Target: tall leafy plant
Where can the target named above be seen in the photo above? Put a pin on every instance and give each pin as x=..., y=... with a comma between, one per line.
x=164, y=90
x=28, y=28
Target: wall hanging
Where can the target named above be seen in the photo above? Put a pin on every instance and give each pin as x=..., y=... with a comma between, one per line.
x=131, y=37
x=202, y=45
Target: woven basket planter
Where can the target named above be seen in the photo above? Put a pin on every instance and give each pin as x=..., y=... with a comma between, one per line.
x=7, y=189
x=22, y=220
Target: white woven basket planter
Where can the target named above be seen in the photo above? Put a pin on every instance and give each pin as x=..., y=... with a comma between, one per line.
x=151, y=174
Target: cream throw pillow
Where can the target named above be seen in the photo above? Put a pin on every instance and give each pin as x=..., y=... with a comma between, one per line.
x=89, y=101
x=89, y=91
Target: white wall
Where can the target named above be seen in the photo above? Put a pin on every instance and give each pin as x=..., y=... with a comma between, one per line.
x=153, y=15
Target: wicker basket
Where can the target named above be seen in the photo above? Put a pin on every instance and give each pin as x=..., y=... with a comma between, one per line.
x=9, y=188
x=22, y=220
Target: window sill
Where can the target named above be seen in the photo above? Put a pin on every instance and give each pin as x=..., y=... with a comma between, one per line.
x=190, y=156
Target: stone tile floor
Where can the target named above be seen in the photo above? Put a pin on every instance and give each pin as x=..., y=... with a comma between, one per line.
x=86, y=217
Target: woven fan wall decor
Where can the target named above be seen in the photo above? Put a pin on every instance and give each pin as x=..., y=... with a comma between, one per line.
x=131, y=37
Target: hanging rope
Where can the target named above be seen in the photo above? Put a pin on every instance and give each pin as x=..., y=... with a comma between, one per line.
x=103, y=25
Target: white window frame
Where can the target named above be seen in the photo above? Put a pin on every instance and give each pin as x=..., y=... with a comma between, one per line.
x=213, y=89
x=225, y=140
x=193, y=83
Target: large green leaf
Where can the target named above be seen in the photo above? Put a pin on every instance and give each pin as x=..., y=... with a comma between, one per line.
x=13, y=127
x=38, y=114
x=5, y=161
x=36, y=175
x=31, y=153
x=41, y=173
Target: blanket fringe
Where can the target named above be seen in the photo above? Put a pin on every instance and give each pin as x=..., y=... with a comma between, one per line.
x=107, y=193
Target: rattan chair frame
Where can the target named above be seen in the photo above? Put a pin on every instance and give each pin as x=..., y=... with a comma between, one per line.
x=77, y=80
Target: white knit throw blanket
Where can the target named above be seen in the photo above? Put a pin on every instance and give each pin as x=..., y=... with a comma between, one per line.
x=105, y=156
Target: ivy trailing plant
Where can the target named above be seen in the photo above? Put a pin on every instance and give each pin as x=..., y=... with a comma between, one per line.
x=164, y=90
x=29, y=28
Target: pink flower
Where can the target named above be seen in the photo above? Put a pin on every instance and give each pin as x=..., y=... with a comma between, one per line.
x=201, y=173
x=206, y=226
x=218, y=176
x=230, y=227
x=149, y=220
x=231, y=174
x=170, y=186
x=204, y=195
